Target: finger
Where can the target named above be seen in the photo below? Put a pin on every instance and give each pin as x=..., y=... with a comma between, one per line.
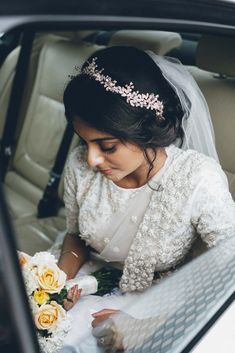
x=100, y=319
x=104, y=312
x=77, y=293
x=77, y=289
x=96, y=322
x=72, y=297
x=67, y=305
x=70, y=293
x=69, y=296
x=73, y=290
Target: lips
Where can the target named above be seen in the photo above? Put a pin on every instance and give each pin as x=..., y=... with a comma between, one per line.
x=106, y=171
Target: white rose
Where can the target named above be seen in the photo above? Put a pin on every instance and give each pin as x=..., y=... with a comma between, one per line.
x=42, y=257
x=30, y=280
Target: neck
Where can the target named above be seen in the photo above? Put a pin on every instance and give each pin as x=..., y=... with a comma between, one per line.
x=140, y=177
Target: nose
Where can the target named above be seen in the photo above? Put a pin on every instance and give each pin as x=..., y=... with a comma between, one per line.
x=94, y=157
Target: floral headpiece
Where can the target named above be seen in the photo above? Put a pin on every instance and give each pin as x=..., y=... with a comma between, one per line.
x=134, y=98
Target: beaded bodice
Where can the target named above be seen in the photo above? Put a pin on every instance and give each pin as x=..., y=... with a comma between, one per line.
x=190, y=198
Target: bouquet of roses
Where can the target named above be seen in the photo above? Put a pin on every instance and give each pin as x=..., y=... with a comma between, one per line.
x=47, y=289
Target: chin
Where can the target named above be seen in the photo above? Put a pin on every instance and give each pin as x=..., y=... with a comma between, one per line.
x=115, y=177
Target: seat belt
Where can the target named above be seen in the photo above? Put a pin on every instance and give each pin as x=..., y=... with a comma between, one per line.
x=8, y=42
x=8, y=137
x=50, y=203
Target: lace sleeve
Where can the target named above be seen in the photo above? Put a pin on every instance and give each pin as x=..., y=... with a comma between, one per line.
x=71, y=206
x=213, y=206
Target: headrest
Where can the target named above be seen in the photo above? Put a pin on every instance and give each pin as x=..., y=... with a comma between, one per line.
x=157, y=41
x=216, y=54
x=75, y=36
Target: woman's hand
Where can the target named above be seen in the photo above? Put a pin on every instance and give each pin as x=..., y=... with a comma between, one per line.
x=72, y=297
x=102, y=315
x=107, y=334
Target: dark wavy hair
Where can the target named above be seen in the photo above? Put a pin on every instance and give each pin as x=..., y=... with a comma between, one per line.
x=109, y=112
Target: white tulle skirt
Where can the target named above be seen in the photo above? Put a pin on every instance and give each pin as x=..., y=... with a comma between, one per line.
x=80, y=338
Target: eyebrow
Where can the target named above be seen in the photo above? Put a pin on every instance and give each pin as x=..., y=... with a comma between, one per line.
x=103, y=139
x=98, y=139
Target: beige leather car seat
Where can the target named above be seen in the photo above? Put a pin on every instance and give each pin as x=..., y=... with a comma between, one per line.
x=216, y=78
x=38, y=234
x=43, y=126
x=7, y=70
x=160, y=42
x=7, y=73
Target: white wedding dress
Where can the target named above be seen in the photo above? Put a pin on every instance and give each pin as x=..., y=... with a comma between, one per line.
x=142, y=230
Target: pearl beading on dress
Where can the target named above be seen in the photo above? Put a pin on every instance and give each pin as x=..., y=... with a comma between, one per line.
x=167, y=233
x=193, y=198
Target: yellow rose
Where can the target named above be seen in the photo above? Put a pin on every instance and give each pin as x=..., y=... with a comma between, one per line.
x=48, y=316
x=41, y=297
x=50, y=278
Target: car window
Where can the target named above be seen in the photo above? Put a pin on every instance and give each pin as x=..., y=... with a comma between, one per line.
x=174, y=314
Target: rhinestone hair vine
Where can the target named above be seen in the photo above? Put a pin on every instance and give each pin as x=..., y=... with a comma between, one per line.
x=134, y=98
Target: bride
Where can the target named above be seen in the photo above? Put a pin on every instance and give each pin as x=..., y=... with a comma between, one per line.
x=143, y=185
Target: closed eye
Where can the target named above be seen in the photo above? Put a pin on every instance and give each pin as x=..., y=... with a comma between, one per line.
x=111, y=149
x=103, y=148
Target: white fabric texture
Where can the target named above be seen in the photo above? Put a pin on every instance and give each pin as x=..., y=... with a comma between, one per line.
x=146, y=230
x=191, y=199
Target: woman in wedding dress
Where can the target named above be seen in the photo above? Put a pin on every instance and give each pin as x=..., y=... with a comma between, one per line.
x=139, y=192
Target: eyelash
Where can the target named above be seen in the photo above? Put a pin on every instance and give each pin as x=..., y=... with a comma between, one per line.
x=108, y=150
x=103, y=149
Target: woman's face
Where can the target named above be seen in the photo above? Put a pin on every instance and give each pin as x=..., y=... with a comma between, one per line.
x=111, y=157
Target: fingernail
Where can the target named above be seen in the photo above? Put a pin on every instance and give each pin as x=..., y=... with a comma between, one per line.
x=97, y=314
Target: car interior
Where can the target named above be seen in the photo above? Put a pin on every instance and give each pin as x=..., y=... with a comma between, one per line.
x=41, y=123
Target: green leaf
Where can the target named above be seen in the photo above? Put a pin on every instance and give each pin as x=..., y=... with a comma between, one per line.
x=44, y=333
x=59, y=297
x=108, y=279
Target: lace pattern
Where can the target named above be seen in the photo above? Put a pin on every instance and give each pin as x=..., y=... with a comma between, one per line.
x=97, y=197
x=183, y=206
x=173, y=231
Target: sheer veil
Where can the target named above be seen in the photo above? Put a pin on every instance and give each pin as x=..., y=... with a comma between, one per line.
x=196, y=123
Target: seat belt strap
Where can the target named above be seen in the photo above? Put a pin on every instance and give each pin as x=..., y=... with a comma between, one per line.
x=50, y=203
x=18, y=85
